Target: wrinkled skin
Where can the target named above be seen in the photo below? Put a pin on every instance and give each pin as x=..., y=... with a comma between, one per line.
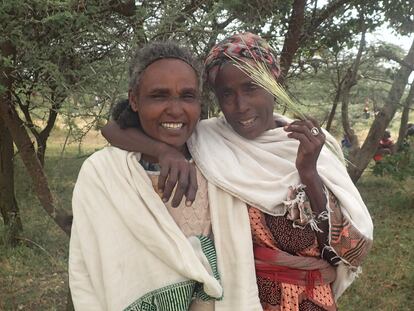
x=168, y=106
x=247, y=107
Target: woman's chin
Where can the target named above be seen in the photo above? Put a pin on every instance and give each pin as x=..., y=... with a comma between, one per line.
x=177, y=143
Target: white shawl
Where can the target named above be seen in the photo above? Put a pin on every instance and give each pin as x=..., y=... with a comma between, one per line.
x=125, y=244
x=259, y=172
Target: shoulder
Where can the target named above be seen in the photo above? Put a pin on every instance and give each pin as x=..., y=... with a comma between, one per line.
x=104, y=159
x=212, y=121
x=212, y=125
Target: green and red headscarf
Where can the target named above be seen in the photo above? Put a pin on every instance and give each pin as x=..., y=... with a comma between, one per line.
x=242, y=45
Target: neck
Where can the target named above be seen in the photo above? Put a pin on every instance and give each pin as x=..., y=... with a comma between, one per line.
x=182, y=149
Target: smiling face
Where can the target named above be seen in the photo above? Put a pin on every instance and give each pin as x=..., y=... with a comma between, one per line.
x=247, y=107
x=167, y=101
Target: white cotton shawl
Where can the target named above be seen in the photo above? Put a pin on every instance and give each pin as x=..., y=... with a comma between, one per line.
x=125, y=244
x=259, y=172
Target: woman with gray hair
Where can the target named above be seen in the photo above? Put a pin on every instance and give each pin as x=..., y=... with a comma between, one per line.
x=129, y=249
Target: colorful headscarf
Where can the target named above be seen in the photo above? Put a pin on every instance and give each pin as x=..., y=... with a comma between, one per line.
x=246, y=45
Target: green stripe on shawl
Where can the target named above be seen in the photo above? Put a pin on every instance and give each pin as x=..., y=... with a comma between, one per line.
x=178, y=297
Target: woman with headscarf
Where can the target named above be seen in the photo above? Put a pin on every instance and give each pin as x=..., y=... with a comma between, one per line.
x=309, y=225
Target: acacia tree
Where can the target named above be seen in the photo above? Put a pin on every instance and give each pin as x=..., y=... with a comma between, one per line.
x=54, y=51
x=399, y=15
x=8, y=204
x=360, y=157
x=47, y=53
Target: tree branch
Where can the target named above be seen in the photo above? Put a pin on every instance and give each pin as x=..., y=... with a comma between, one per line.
x=323, y=15
x=392, y=56
x=291, y=43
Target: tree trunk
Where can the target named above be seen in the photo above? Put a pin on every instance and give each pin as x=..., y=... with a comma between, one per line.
x=291, y=43
x=348, y=131
x=41, y=138
x=383, y=118
x=333, y=110
x=297, y=36
x=8, y=204
x=22, y=140
x=348, y=83
x=405, y=116
x=41, y=150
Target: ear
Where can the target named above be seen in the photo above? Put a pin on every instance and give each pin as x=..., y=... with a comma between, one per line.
x=132, y=101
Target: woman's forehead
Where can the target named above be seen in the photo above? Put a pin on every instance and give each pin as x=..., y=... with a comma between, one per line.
x=168, y=73
x=229, y=73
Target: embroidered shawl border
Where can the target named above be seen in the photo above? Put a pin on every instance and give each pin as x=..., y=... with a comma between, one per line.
x=178, y=297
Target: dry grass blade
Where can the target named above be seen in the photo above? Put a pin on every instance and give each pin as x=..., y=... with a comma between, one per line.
x=261, y=75
x=264, y=78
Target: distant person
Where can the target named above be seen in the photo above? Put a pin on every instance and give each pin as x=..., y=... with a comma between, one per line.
x=410, y=130
x=385, y=147
x=366, y=112
x=346, y=145
x=408, y=137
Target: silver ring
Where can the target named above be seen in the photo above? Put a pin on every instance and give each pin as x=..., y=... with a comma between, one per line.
x=314, y=131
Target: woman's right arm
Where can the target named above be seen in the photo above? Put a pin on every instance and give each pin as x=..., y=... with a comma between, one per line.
x=83, y=294
x=175, y=169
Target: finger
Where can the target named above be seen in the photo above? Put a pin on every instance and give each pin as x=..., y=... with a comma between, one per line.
x=312, y=122
x=301, y=129
x=301, y=137
x=170, y=184
x=163, y=177
x=309, y=123
x=192, y=187
x=305, y=127
x=181, y=188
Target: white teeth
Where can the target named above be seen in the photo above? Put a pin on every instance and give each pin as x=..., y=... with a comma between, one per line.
x=248, y=122
x=172, y=125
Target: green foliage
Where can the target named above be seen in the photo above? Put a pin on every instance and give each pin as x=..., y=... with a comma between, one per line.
x=387, y=279
x=399, y=166
x=400, y=15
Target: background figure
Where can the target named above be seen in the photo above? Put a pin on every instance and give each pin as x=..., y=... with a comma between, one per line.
x=366, y=112
x=346, y=145
x=385, y=146
x=410, y=130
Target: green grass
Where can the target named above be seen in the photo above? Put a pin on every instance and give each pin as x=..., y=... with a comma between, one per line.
x=387, y=282
x=34, y=277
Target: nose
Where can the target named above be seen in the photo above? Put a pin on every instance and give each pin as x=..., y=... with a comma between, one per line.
x=242, y=103
x=175, y=106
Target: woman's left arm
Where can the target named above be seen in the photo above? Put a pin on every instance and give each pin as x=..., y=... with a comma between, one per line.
x=311, y=140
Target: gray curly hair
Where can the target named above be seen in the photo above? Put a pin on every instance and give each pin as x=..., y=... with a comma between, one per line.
x=152, y=52
x=143, y=57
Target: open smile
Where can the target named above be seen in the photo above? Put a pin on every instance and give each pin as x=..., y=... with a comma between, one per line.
x=247, y=123
x=174, y=126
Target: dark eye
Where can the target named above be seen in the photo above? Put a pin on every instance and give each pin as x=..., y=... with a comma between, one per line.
x=158, y=96
x=226, y=93
x=251, y=87
x=189, y=97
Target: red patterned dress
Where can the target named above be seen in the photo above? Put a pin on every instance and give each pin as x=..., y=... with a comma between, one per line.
x=284, y=288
